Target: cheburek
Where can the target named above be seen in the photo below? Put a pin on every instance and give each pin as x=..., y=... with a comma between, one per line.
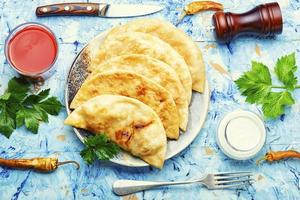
x=131, y=124
x=156, y=71
x=135, y=86
x=180, y=41
x=143, y=43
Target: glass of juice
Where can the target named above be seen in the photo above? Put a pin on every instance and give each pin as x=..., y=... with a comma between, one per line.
x=32, y=49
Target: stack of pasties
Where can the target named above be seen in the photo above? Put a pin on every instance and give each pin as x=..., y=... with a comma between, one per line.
x=147, y=61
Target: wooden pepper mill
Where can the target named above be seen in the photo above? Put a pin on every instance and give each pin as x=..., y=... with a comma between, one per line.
x=264, y=20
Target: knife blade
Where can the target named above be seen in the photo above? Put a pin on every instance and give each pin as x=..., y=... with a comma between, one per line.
x=96, y=9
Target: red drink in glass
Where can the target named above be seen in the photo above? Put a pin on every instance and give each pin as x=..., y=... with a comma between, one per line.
x=31, y=49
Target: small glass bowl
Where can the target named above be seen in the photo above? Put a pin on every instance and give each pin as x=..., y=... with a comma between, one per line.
x=241, y=134
x=35, y=76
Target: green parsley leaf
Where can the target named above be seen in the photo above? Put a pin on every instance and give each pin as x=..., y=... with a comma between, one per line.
x=88, y=155
x=7, y=123
x=18, y=85
x=5, y=96
x=32, y=99
x=51, y=105
x=285, y=70
x=275, y=103
x=18, y=88
x=20, y=118
x=19, y=108
x=43, y=114
x=256, y=83
x=99, y=147
x=12, y=108
x=30, y=117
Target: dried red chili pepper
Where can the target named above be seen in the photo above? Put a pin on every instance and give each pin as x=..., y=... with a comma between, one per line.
x=38, y=164
x=198, y=6
x=279, y=155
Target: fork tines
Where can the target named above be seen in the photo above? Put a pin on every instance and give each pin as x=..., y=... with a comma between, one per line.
x=233, y=179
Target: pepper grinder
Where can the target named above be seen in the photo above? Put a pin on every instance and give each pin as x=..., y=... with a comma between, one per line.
x=264, y=20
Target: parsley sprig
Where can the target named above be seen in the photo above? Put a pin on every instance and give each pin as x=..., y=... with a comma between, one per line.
x=258, y=88
x=98, y=147
x=18, y=107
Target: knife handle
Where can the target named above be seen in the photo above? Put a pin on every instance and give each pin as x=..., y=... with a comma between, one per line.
x=76, y=9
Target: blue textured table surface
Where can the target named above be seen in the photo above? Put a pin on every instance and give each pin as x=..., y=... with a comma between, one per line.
x=276, y=181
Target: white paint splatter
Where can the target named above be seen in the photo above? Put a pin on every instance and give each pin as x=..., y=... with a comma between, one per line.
x=71, y=32
x=283, y=3
x=296, y=107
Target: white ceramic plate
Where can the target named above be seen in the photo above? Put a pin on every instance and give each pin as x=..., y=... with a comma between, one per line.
x=198, y=108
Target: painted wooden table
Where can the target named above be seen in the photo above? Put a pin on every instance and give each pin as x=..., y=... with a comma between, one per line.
x=276, y=181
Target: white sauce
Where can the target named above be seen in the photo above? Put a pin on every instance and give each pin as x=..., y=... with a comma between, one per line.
x=243, y=133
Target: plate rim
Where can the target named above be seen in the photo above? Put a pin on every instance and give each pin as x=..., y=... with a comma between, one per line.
x=206, y=96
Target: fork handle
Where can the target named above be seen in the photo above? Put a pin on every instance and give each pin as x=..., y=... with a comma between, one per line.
x=124, y=187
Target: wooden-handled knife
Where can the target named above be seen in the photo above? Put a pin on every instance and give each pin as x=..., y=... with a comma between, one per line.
x=96, y=9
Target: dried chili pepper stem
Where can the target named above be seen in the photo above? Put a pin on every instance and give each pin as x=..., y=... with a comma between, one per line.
x=38, y=164
x=198, y=6
x=69, y=162
x=279, y=155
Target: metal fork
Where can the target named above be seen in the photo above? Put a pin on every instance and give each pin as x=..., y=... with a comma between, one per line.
x=224, y=180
